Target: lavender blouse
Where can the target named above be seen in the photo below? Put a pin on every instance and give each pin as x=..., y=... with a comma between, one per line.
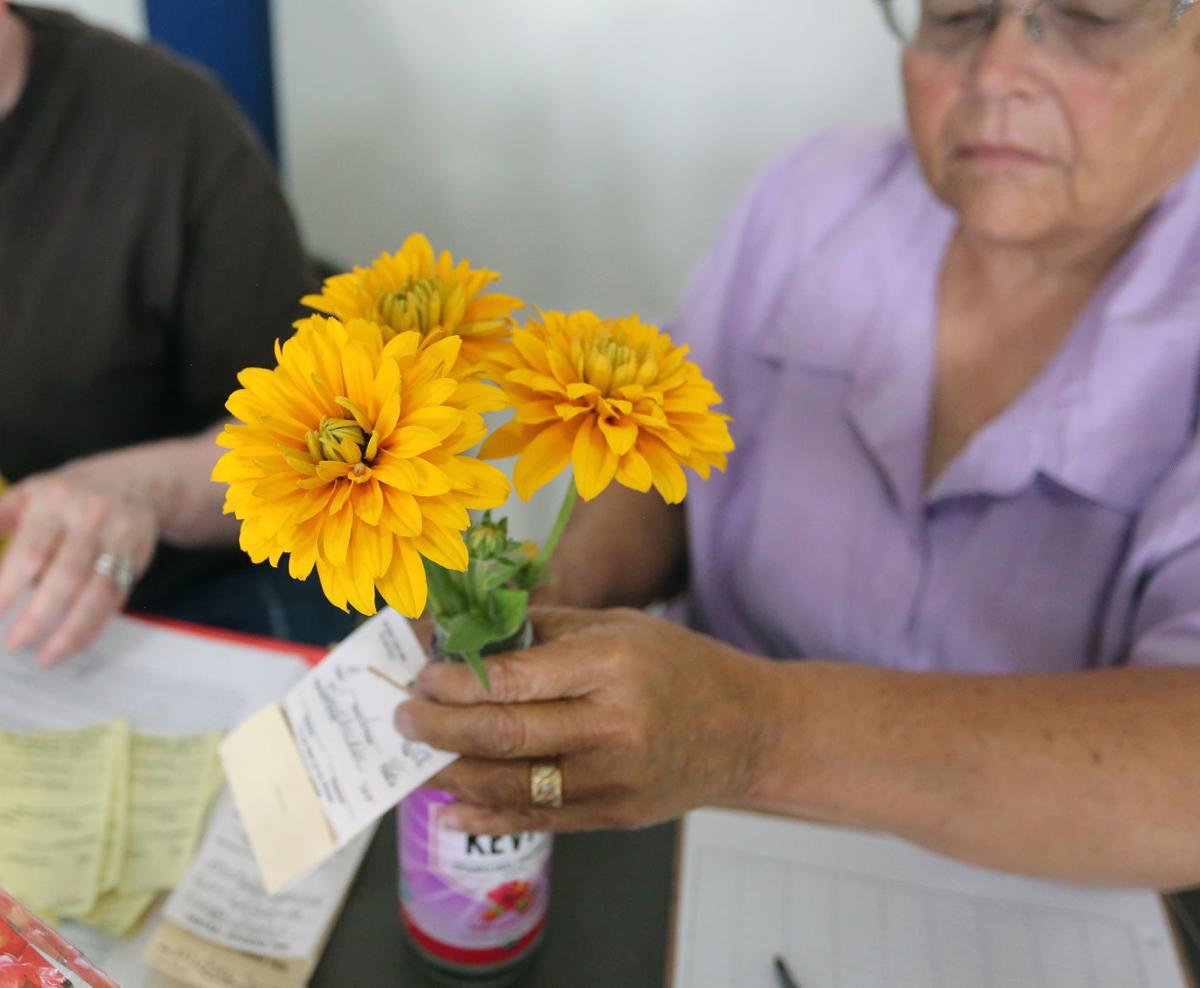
x=1066, y=535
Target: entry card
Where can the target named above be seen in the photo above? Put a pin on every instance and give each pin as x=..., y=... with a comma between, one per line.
x=310, y=773
x=222, y=898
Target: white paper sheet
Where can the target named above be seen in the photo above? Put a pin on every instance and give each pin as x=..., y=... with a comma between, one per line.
x=855, y=910
x=161, y=681
x=222, y=898
x=341, y=718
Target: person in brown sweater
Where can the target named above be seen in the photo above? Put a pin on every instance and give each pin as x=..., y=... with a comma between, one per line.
x=146, y=256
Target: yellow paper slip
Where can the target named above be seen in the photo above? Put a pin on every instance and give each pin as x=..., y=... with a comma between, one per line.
x=117, y=833
x=56, y=793
x=171, y=786
x=120, y=913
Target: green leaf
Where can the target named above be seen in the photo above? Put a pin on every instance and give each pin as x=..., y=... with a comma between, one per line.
x=509, y=608
x=446, y=594
x=497, y=572
x=469, y=632
x=475, y=661
x=531, y=575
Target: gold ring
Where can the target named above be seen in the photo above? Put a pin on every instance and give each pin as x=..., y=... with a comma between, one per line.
x=545, y=784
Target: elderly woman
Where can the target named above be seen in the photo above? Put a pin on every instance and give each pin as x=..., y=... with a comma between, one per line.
x=963, y=365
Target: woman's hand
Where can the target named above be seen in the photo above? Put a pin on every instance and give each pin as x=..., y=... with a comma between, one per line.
x=80, y=537
x=647, y=720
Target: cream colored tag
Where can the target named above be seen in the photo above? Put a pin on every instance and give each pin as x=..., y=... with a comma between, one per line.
x=278, y=805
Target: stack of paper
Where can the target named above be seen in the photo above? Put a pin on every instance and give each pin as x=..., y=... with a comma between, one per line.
x=224, y=928
x=168, y=686
x=96, y=822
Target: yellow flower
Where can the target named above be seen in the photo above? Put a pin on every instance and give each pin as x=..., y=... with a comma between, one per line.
x=348, y=456
x=412, y=291
x=613, y=397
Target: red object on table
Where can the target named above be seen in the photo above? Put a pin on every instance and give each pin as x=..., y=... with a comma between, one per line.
x=28, y=946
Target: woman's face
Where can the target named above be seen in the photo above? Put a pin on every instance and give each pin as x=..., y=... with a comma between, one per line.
x=1027, y=144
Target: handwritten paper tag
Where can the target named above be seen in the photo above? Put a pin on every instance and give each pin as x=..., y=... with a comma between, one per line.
x=312, y=772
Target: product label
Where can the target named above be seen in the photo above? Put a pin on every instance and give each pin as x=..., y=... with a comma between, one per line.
x=469, y=891
x=474, y=864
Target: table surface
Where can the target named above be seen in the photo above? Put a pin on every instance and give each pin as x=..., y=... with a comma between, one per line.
x=610, y=896
x=608, y=925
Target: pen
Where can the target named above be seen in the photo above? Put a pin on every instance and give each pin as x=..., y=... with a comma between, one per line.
x=783, y=975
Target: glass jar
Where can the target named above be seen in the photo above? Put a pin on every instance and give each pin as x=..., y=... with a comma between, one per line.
x=473, y=907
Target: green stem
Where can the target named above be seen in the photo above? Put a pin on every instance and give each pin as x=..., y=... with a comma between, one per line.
x=560, y=523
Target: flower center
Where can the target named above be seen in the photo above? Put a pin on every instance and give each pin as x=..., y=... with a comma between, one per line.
x=415, y=305
x=338, y=439
x=609, y=362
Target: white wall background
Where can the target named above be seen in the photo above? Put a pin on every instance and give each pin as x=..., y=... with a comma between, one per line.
x=126, y=16
x=587, y=149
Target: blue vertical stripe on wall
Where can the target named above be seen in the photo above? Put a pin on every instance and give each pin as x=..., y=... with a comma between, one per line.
x=232, y=38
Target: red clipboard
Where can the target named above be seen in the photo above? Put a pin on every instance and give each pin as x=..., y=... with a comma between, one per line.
x=312, y=654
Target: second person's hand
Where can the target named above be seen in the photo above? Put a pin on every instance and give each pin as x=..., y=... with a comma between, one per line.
x=77, y=544
x=644, y=719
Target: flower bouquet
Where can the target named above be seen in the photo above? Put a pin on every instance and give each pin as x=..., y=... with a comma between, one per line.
x=362, y=453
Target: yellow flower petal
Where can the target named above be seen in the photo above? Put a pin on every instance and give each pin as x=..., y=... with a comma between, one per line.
x=442, y=546
x=544, y=458
x=669, y=479
x=595, y=464
x=508, y=440
x=335, y=535
x=634, y=472
x=620, y=434
x=403, y=586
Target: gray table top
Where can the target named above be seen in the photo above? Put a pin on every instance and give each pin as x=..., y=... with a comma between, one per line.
x=608, y=925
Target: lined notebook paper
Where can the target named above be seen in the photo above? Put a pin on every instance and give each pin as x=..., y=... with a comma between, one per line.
x=854, y=910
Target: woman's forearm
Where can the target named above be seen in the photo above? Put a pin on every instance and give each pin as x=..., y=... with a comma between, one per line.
x=172, y=477
x=1080, y=776
x=624, y=549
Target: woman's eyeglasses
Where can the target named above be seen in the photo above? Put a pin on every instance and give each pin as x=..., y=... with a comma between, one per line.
x=1084, y=30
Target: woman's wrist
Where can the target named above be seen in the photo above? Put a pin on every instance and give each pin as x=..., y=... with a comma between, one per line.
x=188, y=503
x=170, y=479
x=808, y=755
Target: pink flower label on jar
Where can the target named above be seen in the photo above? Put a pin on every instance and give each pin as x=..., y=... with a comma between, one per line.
x=469, y=893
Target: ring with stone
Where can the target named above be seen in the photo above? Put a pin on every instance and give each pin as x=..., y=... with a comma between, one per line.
x=117, y=567
x=545, y=784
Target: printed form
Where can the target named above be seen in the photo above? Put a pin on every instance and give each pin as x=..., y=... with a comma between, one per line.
x=847, y=909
